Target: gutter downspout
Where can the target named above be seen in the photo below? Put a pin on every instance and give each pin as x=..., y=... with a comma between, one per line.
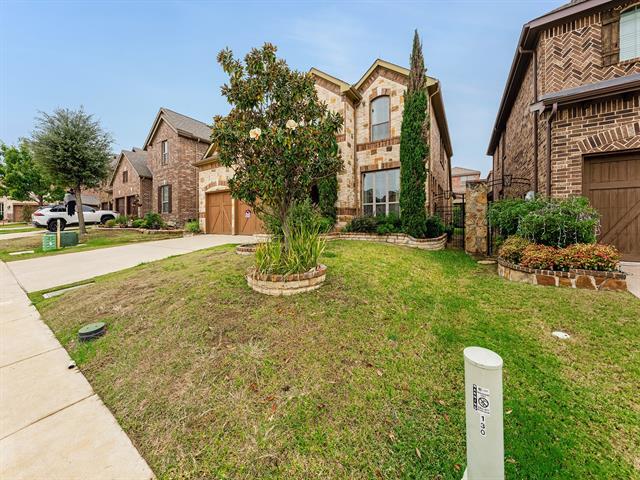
x=534, y=54
x=552, y=115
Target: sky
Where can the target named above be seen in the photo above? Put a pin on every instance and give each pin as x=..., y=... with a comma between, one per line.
x=123, y=60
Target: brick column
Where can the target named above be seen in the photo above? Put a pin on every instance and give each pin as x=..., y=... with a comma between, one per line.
x=475, y=220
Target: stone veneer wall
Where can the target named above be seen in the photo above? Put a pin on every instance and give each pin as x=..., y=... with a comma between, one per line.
x=574, y=278
x=212, y=177
x=285, y=285
x=475, y=221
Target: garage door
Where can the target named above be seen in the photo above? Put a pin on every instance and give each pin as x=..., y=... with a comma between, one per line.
x=17, y=213
x=612, y=184
x=247, y=223
x=218, y=212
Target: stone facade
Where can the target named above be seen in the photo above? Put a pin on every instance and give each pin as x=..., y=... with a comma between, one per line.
x=212, y=177
x=179, y=171
x=475, y=228
x=569, y=54
x=286, y=285
x=360, y=154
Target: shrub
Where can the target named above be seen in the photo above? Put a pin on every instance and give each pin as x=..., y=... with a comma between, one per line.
x=589, y=257
x=192, y=227
x=363, y=224
x=434, y=227
x=512, y=248
x=328, y=193
x=122, y=220
x=301, y=254
x=560, y=223
x=505, y=215
x=27, y=211
x=326, y=224
x=110, y=223
x=153, y=221
x=541, y=257
x=137, y=223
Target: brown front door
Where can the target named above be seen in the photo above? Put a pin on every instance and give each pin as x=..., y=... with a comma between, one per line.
x=218, y=212
x=17, y=213
x=612, y=184
x=247, y=223
x=132, y=210
x=120, y=205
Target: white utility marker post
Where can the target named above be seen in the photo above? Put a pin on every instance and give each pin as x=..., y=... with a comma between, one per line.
x=483, y=398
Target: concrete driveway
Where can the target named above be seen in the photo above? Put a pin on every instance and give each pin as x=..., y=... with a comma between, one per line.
x=632, y=269
x=47, y=272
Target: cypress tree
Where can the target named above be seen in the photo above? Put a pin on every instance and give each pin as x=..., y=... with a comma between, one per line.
x=414, y=148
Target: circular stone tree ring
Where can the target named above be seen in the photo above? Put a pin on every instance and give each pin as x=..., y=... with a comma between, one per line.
x=91, y=331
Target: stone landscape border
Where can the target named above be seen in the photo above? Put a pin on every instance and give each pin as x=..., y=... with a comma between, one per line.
x=285, y=285
x=144, y=230
x=574, y=278
x=432, y=244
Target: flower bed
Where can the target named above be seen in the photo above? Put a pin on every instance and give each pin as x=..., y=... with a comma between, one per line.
x=285, y=285
x=573, y=278
x=246, y=249
x=437, y=243
x=174, y=231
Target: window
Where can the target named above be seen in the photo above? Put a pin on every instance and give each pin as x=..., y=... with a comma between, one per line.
x=165, y=152
x=630, y=33
x=380, y=119
x=125, y=176
x=165, y=199
x=1, y=211
x=381, y=192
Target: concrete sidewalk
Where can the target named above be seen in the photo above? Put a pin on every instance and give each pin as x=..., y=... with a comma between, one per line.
x=47, y=272
x=11, y=236
x=52, y=424
x=632, y=269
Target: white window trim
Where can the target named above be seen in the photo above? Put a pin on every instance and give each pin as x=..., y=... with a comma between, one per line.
x=388, y=122
x=164, y=190
x=630, y=47
x=387, y=203
x=164, y=152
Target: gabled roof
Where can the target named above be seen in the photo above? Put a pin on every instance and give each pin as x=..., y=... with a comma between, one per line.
x=457, y=171
x=528, y=41
x=181, y=124
x=138, y=160
x=433, y=88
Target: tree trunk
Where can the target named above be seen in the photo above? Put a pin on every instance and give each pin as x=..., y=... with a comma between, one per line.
x=81, y=228
x=40, y=200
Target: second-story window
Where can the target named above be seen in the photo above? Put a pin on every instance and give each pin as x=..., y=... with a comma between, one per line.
x=165, y=152
x=380, y=119
x=125, y=176
x=630, y=33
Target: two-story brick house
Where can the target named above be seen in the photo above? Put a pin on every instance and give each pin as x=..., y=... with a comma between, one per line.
x=174, y=144
x=569, y=119
x=132, y=184
x=459, y=178
x=369, y=143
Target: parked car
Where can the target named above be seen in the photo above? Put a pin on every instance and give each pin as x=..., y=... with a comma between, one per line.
x=47, y=217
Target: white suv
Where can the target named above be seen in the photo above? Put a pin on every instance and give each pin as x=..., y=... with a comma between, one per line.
x=48, y=217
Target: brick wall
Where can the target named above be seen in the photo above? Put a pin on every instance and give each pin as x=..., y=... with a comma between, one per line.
x=569, y=55
x=179, y=172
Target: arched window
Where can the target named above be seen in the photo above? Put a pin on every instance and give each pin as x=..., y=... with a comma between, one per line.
x=630, y=33
x=380, y=118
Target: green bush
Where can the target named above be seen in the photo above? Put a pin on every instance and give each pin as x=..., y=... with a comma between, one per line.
x=301, y=213
x=363, y=224
x=328, y=193
x=541, y=257
x=512, y=248
x=589, y=256
x=122, y=220
x=505, y=215
x=137, y=223
x=434, y=227
x=192, y=226
x=110, y=223
x=560, y=223
x=153, y=221
x=326, y=224
x=300, y=255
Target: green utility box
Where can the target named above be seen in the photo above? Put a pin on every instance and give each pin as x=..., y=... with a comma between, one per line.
x=67, y=239
x=48, y=242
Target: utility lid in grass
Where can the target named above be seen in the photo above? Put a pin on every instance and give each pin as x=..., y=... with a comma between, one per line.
x=91, y=331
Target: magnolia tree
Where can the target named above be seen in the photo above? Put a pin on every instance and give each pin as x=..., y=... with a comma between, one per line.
x=279, y=138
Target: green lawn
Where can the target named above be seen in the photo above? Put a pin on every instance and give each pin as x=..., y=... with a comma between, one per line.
x=213, y=380
x=94, y=239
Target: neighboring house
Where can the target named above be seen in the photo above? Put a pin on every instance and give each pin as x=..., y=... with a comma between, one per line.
x=569, y=119
x=174, y=144
x=370, y=147
x=14, y=210
x=132, y=184
x=459, y=178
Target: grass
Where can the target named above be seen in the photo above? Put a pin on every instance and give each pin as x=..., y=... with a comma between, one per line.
x=4, y=231
x=93, y=240
x=213, y=380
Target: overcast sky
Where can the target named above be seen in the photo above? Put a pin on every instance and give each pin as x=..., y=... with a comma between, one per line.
x=124, y=60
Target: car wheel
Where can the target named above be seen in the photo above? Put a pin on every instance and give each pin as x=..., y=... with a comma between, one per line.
x=52, y=226
x=106, y=218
